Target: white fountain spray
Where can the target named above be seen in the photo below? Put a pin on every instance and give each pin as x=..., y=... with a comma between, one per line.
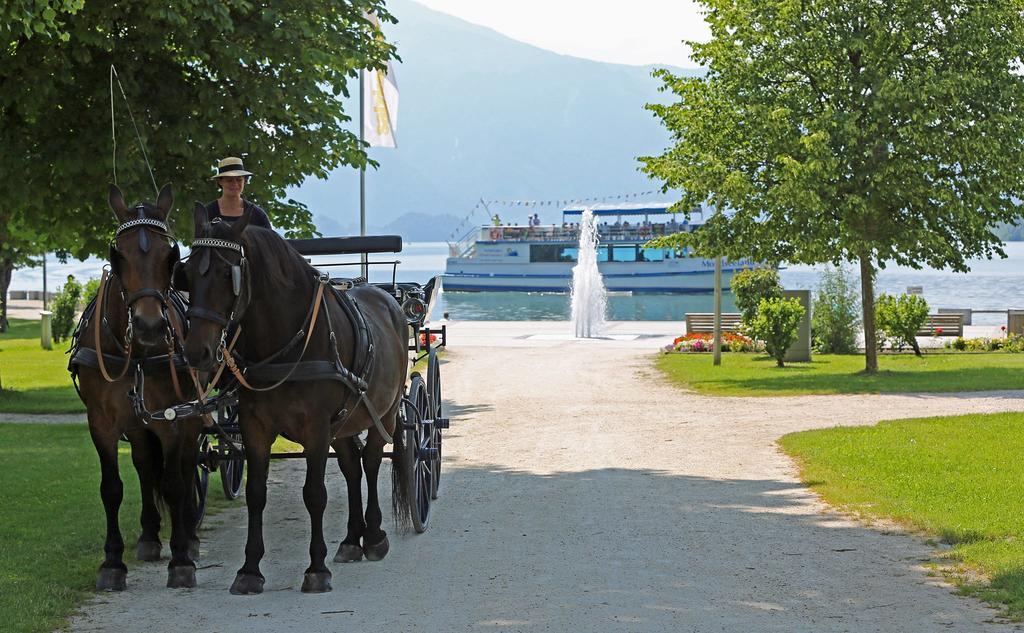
x=589, y=298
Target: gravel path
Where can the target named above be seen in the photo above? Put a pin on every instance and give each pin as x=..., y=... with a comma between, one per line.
x=582, y=493
x=42, y=418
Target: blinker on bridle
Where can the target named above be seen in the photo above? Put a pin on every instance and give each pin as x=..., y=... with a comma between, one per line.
x=141, y=222
x=237, y=274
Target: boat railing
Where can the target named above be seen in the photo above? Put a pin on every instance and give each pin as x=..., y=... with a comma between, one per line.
x=465, y=245
x=570, y=233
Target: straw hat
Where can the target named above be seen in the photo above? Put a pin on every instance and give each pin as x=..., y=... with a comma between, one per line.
x=230, y=166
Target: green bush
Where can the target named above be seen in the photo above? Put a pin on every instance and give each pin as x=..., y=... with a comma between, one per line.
x=65, y=304
x=898, y=320
x=836, y=314
x=91, y=288
x=750, y=285
x=776, y=324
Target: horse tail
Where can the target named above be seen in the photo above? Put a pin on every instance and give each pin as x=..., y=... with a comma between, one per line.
x=401, y=486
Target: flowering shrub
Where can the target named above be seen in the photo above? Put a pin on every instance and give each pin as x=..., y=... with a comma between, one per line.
x=1013, y=343
x=700, y=342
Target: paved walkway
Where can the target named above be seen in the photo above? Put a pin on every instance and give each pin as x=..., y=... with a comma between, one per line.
x=582, y=493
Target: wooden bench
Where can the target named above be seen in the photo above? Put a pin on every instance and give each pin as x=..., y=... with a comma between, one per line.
x=943, y=325
x=705, y=322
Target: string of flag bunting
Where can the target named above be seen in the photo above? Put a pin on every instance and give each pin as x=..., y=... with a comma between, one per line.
x=483, y=205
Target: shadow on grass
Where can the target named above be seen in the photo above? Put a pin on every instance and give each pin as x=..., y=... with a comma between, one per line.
x=40, y=400
x=937, y=381
x=21, y=328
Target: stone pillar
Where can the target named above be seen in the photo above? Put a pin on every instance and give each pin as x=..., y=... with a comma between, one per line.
x=1015, y=322
x=800, y=350
x=46, y=331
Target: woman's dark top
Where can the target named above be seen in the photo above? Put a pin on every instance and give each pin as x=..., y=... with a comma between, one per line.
x=258, y=217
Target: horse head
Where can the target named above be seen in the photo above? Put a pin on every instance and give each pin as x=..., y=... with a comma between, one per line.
x=142, y=256
x=219, y=283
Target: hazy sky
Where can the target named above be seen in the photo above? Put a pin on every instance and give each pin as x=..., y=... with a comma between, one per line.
x=637, y=32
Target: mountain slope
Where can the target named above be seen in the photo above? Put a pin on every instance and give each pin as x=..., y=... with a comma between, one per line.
x=482, y=115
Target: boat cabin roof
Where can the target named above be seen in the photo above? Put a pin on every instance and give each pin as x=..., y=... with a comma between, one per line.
x=622, y=209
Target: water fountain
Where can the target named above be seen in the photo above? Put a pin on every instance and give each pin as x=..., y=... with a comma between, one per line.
x=589, y=298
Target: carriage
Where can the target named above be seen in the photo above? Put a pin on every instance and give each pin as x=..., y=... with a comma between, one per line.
x=422, y=418
x=192, y=419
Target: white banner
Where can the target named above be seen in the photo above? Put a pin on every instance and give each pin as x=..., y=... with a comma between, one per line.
x=380, y=108
x=380, y=102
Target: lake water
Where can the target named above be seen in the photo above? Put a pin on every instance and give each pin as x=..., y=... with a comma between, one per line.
x=991, y=285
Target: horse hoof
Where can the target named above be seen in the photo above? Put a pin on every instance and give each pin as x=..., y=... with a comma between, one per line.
x=148, y=550
x=246, y=584
x=348, y=553
x=183, y=577
x=316, y=582
x=193, y=549
x=112, y=579
x=378, y=551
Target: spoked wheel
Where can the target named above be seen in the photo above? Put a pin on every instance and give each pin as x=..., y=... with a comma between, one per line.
x=420, y=452
x=232, y=468
x=202, y=482
x=434, y=408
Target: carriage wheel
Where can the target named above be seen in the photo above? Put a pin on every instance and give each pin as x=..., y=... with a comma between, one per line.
x=420, y=452
x=232, y=469
x=434, y=406
x=202, y=482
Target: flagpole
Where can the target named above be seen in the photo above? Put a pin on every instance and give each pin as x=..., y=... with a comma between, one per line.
x=363, y=268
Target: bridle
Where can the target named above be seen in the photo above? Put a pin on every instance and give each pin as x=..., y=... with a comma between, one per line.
x=174, y=329
x=239, y=281
x=141, y=223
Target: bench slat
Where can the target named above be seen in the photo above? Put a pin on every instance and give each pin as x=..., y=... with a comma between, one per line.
x=950, y=324
x=704, y=322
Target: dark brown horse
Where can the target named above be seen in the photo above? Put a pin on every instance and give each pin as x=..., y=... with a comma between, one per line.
x=249, y=277
x=131, y=327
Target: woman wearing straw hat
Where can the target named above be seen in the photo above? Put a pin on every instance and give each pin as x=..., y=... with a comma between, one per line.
x=232, y=176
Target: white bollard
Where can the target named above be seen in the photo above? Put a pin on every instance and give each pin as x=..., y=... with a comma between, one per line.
x=46, y=334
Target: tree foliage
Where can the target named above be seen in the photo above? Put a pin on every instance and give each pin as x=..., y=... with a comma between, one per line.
x=835, y=319
x=864, y=131
x=750, y=286
x=205, y=79
x=900, y=318
x=776, y=323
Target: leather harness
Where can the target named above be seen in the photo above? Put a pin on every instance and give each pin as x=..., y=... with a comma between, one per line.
x=265, y=371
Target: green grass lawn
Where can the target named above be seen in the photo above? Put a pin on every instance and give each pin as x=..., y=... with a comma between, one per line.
x=52, y=524
x=957, y=479
x=757, y=375
x=34, y=380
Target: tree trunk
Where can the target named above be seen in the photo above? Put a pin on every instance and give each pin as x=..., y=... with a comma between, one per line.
x=867, y=301
x=6, y=270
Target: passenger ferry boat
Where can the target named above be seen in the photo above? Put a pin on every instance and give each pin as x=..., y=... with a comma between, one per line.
x=541, y=258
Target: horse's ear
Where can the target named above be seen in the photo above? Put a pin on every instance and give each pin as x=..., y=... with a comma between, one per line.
x=164, y=201
x=201, y=217
x=239, y=225
x=116, y=201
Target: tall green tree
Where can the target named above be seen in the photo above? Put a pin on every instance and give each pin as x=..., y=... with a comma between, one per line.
x=205, y=79
x=865, y=131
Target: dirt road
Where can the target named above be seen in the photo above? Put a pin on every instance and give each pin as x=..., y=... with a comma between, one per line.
x=582, y=493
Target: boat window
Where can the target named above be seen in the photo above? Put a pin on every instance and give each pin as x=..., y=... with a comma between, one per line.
x=552, y=253
x=652, y=254
x=624, y=253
